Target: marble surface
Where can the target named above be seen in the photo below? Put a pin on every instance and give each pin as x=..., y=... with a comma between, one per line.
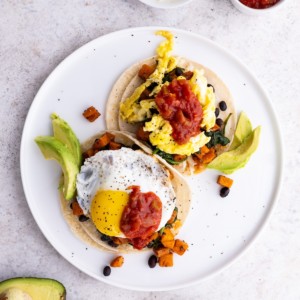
x=35, y=35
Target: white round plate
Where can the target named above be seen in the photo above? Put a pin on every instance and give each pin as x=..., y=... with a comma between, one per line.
x=218, y=229
x=165, y=4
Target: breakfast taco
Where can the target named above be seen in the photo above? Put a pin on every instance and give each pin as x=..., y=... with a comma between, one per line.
x=179, y=108
x=127, y=199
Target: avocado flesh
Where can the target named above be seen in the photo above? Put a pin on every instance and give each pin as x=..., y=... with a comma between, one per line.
x=243, y=129
x=25, y=288
x=230, y=161
x=64, y=133
x=52, y=148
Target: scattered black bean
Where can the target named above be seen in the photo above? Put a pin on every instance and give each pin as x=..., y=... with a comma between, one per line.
x=219, y=122
x=210, y=85
x=152, y=261
x=71, y=205
x=135, y=147
x=83, y=218
x=223, y=105
x=179, y=71
x=224, y=192
x=106, y=271
x=217, y=112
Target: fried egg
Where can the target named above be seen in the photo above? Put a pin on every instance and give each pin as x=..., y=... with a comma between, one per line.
x=103, y=182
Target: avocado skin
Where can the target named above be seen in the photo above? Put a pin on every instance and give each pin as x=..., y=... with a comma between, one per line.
x=64, y=133
x=36, y=288
x=52, y=148
x=230, y=161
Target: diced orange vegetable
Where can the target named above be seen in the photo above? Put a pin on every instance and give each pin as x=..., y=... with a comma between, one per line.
x=117, y=262
x=204, y=150
x=142, y=135
x=145, y=71
x=188, y=75
x=208, y=157
x=166, y=260
x=161, y=251
x=88, y=153
x=178, y=157
x=114, y=146
x=167, y=238
x=103, y=140
x=145, y=94
x=176, y=226
x=225, y=181
x=180, y=247
x=216, y=127
x=91, y=114
x=173, y=217
x=77, y=211
x=120, y=241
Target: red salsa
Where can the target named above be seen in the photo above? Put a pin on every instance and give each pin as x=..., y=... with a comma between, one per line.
x=141, y=217
x=259, y=3
x=178, y=104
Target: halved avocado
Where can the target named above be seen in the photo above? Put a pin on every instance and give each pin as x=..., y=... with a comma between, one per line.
x=64, y=133
x=230, y=161
x=31, y=288
x=243, y=129
x=52, y=148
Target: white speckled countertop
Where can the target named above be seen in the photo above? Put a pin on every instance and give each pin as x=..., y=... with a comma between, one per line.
x=35, y=35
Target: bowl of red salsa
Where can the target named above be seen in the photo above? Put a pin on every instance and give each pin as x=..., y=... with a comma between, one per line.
x=257, y=7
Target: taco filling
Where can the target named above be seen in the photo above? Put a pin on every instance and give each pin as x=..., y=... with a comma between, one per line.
x=169, y=104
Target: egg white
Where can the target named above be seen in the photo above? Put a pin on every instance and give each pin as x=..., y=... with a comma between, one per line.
x=117, y=170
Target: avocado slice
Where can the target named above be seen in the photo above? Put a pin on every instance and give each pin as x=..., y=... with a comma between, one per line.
x=64, y=133
x=230, y=161
x=243, y=129
x=31, y=288
x=52, y=148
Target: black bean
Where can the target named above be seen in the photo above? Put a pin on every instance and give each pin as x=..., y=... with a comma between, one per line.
x=152, y=261
x=106, y=271
x=178, y=71
x=83, y=218
x=112, y=244
x=105, y=238
x=219, y=122
x=135, y=147
x=223, y=105
x=210, y=85
x=224, y=192
x=71, y=205
x=217, y=112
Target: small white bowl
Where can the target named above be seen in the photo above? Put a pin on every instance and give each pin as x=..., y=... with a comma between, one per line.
x=257, y=11
x=166, y=4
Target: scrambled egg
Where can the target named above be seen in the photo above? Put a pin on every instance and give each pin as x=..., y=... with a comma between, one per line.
x=161, y=130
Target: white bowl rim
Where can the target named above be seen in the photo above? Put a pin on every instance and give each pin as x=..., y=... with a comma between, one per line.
x=238, y=4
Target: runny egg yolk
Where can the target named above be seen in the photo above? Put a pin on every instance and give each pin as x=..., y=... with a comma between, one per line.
x=106, y=211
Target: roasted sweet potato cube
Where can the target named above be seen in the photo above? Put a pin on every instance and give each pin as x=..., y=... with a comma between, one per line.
x=145, y=71
x=91, y=114
x=166, y=260
x=114, y=146
x=161, y=251
x=167, y=238
x=225, y=181
x=117, y=262
x=180, y=247
x=76, y=209
x=103, y=141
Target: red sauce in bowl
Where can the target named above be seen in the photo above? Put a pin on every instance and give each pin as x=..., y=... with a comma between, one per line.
x=259, y=3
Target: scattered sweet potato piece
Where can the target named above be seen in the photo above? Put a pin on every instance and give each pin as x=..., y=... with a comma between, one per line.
x=188, y=75
x=114, y=146
x=216, y=127
x=225, y=181
x=76, y=209
x=173, y=217
x=103, y=141
x=88, y=153
x=208, y=157
x=176, y=226
x=167, y=238
x=178, y=157
x=166, y=260
x=142, y=135
x=91, y=114
x=145, y=71
x=117, y=262
x=119, y=241
x=161, y=251
x=180, y=247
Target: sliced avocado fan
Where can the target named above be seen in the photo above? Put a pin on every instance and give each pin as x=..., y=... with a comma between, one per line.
x=52, y=148
x=230, y=161
x=31, y=288
x=64, y=133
